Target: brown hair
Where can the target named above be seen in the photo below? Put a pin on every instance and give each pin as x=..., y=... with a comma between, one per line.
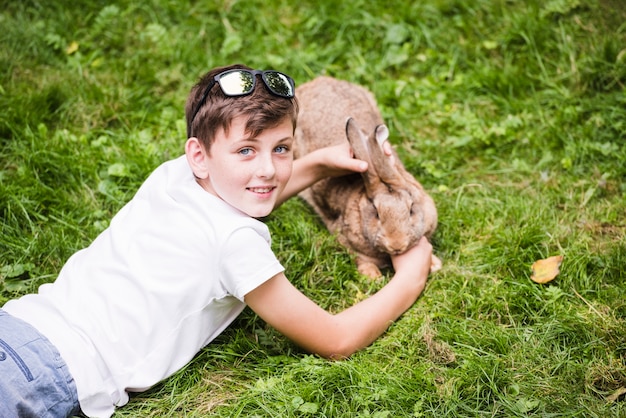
x=263, y=109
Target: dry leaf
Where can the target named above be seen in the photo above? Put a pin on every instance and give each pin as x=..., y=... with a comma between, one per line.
x=71, y=48
x=546, y=270
x=616, y=395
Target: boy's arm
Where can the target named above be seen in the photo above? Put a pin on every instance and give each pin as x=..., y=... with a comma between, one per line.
x=338, y=336
x=325, y=162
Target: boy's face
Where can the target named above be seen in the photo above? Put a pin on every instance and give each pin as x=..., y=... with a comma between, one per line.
x=250, y=173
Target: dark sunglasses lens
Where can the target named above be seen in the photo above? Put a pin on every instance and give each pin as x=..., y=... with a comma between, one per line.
x=279, y=83
x=236, y=83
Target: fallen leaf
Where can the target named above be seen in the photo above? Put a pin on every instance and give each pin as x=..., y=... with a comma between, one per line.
x=71, y=48
x=490, y=44
x=616, y=395
x=546, y=270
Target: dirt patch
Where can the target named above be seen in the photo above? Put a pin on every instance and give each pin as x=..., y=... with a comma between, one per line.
x=438, y=351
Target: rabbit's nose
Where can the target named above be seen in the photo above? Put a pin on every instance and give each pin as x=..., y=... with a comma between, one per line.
x=396, y=245
x=397, y=251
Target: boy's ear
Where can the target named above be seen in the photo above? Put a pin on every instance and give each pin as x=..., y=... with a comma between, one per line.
x=197, y=158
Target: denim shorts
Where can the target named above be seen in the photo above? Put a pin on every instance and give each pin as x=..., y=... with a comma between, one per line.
x=34, y=379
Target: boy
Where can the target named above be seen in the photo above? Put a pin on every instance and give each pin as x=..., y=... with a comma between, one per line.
x=183, y=258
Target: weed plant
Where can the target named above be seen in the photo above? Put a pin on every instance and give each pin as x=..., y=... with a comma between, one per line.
x=511, y=113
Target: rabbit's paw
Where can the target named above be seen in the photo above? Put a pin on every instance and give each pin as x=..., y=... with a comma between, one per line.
x=368, y=269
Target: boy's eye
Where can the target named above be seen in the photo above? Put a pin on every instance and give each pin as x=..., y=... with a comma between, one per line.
x=245, y=151
x=281, y=149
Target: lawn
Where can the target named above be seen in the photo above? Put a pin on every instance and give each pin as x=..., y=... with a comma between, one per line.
x=511, y=113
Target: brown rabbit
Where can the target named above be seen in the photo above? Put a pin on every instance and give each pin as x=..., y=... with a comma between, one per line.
x=380, y=212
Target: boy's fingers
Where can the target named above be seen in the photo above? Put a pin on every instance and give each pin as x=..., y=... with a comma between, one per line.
x=359, y=165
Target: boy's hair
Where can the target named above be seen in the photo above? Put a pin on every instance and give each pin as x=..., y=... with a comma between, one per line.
x=263, y=109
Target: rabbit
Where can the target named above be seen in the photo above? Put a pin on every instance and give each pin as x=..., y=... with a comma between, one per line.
x=374, y=214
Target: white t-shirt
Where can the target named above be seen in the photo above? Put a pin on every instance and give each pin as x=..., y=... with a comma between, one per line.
x=168, y=275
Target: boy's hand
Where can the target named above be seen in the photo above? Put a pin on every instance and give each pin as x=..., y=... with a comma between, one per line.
x=339, y=159
x=337, y=336
x=332, y=161
x=415, y=261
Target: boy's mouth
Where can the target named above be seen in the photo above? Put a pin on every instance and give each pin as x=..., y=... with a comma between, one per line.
x=260, y=190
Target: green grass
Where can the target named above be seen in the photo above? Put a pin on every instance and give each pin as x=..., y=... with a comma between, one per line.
x=511, y=113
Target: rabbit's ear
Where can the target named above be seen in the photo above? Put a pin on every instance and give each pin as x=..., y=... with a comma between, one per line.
x=359, y=143
x=383, y=164
x=357, y=140
x=382, y=134
x=367, y=149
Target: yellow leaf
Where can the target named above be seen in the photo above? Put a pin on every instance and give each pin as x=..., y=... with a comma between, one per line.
x=616, y=395
x=490, y=44
x=546, y=270
x=71, y=48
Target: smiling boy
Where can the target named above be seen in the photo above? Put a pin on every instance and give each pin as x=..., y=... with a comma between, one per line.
x=183, y=258
x=248, y=173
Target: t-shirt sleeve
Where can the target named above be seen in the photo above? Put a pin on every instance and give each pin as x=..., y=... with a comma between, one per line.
x=247, y=261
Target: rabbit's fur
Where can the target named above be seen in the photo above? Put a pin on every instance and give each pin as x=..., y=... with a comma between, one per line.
x=380, y=212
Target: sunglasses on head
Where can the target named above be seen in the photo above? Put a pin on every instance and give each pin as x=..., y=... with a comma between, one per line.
x=239, y=82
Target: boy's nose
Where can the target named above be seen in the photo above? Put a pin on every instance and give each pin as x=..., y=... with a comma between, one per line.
x=266, y=167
